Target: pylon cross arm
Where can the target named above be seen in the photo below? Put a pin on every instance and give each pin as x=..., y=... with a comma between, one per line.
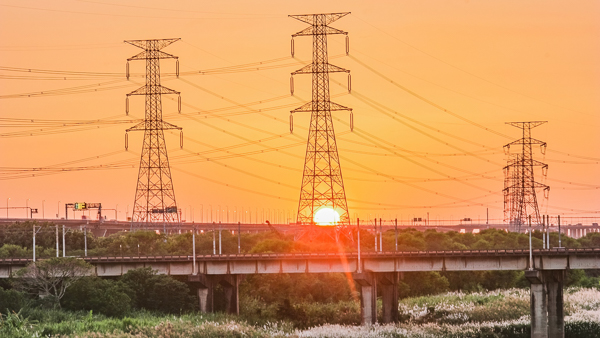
x=525, y=141
x=155, y=44
x=310, y=69
x=313, y=30
x=334, y=106
x=530, y=125
x=309, y=107
x=155, y=54
x=311, y=18
x=157, y=89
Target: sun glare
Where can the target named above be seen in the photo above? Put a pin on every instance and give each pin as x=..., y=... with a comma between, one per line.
x=326, y=216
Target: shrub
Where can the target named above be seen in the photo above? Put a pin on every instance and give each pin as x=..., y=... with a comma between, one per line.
x=12, y=301
x=98, y=295
x=158, y=292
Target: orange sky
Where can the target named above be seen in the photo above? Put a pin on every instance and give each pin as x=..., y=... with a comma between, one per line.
x=485, y=62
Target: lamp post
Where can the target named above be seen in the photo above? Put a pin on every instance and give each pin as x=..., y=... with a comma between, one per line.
x=7, y=207
x=58, y=210
x=43, y=213
x=127, y=212
x=116, y=211
x=27, y=214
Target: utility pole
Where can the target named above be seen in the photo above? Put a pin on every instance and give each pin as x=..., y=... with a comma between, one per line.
x=239, y=238
x=520, y=200
x=85, y=238
x=376, y=235
x=322, y=183
x=57, y=249
x=154, y=196
x=380, y=236
x=396, y=225
x=194, y=250
x=358, y=239
x=63, y=236
x=34, y=233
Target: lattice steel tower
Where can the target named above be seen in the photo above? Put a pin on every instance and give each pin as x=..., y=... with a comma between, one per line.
x=322, y=183
x=154, y=195
x=520, y=200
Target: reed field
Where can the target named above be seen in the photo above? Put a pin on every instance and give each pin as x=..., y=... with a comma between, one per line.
x=501, y=313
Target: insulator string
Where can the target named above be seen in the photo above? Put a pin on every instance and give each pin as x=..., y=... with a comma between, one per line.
x=292, y=47
x=347, y=45
x=349, y=83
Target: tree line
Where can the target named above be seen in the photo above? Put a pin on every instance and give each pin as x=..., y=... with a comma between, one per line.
x=264, y=297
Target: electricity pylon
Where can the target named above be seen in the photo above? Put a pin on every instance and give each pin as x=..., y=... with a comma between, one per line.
x=520, y=200
x=154, y=195
x=322, y=183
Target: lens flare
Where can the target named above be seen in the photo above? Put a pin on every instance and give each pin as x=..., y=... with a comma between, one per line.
x=326, y=216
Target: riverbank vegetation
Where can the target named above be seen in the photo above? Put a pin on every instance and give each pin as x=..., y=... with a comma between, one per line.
x=144, y=304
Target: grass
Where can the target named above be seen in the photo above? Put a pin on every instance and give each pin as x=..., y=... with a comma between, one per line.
x=493, y=314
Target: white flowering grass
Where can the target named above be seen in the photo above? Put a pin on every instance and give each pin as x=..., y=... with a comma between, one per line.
x=455, y=314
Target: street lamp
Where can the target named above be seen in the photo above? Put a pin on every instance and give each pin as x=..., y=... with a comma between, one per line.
x=7, y=207
x=116, y=211
x=27, y=214
x=58, y=210
x=127, y=212
x=43, y=209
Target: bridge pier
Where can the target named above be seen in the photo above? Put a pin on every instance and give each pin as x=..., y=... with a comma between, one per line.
x=388, y=282
x=368, y=282
x=205, y=285
x=367, y=285
x=547, y=304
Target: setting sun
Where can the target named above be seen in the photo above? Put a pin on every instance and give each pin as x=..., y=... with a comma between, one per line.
x=327, y=216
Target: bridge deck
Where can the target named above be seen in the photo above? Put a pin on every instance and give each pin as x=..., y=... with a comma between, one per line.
x=472, y=260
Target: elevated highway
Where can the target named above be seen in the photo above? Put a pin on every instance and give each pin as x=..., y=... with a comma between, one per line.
x=107, y=228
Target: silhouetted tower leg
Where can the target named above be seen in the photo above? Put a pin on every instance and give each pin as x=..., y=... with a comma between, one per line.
x=154, y=196
x=322, y=183
x=520, y=200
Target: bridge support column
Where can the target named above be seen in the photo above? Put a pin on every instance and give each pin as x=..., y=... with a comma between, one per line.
x=367, y=285
x=230, y=284
x=204, y=287
x=388, y=282
x=556, y=317
x=547, y=316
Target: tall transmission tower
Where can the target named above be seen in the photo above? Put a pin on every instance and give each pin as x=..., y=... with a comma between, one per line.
x=322, y=183
x=520, y=200
x=154, y=195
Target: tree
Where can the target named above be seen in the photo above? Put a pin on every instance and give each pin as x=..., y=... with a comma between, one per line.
x=99, y=295
x=157, y=292
x=52, y=277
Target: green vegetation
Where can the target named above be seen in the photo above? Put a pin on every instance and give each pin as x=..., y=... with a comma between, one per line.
x=143, y=303
x=455, y=314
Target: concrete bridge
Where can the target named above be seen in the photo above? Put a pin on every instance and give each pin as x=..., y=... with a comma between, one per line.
x=545, y=270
